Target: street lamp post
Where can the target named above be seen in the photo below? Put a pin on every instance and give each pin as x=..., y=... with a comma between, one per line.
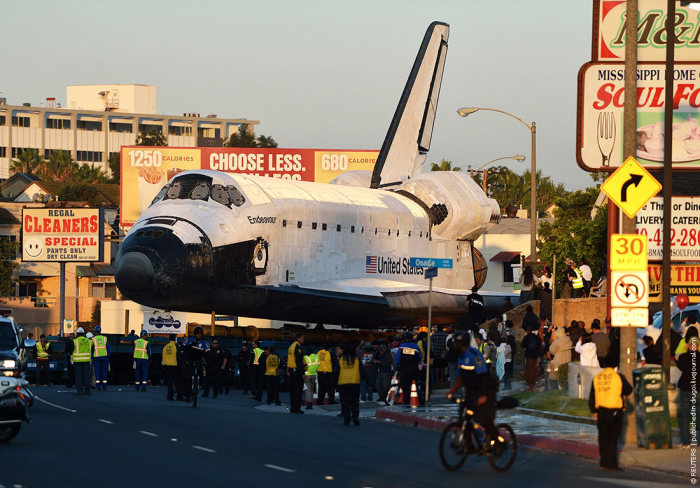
x=483, y=180
x=465, y=111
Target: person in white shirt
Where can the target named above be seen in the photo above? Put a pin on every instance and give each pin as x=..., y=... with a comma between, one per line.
x=588, y=351
x=586, y=274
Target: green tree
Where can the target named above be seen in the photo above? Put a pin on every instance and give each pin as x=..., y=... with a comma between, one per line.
x=151, y=137
x=90, y=174
x=573, y=234
x=27, y=162
x=59, y=167
x=243, y=138
x=114, y=162
x=80, y=192
x=444, y=165
x=8, y=255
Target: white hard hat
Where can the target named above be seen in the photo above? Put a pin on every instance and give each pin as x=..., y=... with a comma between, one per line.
x=80, y=330
x=89, y=335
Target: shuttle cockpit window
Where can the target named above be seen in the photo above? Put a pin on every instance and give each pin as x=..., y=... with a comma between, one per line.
x=200, y=187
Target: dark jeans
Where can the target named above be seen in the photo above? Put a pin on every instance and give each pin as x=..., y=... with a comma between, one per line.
x=532, y=368
x=609, y=429
x=43, y=376
x=508, y=376
x=349, y=401
x=684, y=418
x=171, y=377
x=383, y=385
x=141, y=374
x=83, y=375
x=325, y=387
x=296, y=387
x=259, y=379
x=71, y=375
x=366, y=387
x=272, y=385
x=407, y=375
x=213, y=380
x=245, y=379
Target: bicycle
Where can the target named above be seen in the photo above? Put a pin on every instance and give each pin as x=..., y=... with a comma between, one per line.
x=195, y=365
x=465, y=436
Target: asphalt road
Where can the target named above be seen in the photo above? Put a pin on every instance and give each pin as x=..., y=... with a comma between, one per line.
x=128, y=438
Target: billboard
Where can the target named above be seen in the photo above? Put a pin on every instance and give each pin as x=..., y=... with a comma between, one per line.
x=600, y=116
x=684, y=279
x=62, y=234
x=685, y=228
x=146, y=169
x=609, y=31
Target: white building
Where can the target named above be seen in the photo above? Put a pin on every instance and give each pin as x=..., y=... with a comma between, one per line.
x=503, y=245
x=98, y=121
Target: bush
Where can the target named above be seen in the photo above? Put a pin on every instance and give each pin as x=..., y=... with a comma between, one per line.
x=97, y=312
x=563, y=375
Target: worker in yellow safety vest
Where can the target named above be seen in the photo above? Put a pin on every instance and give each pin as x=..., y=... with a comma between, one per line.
x=311, y=363
x=295, y=373
x=577, y=281
x=142, y=352
x=272, y=381
x=606, y=400
x=82, y=353
x=171, y=369
x=43, y=352
x=100, y=360
x=324, y=375
x=258, y=371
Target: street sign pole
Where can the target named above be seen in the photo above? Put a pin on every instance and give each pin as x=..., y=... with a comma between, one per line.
x=427, y=353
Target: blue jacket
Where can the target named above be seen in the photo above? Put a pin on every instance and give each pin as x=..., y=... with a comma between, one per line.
x=407, y=345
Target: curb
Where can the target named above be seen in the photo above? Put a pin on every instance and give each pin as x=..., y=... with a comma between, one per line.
x=555, y=416
x=556, y=446
x=539, y=442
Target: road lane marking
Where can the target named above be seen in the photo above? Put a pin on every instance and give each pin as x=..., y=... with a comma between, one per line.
x=105, y=421
x=205, y=449
x=329, y=478
x=279, y=468
x=56, y=406
x=631, y=483
x=145, y=432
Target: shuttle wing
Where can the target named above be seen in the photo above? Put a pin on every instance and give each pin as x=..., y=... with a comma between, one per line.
x=408, y=140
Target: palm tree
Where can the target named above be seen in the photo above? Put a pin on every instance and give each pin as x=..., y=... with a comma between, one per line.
x=90, y=174
x=27, y=162
x=444, y=166
x=59, y=167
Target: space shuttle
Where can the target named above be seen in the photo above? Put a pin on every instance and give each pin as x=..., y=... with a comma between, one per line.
x=333, y=253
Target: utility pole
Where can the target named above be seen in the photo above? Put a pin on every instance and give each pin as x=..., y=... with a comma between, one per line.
x=628, y=335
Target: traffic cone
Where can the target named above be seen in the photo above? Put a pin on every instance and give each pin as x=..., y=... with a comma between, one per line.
x=414, y=395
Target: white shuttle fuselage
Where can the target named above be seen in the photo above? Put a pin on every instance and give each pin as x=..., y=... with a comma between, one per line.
x=312, y=252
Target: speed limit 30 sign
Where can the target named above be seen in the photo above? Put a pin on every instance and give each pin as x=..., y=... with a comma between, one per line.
x=629, y=274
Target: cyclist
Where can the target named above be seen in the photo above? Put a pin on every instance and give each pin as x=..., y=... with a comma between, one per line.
x=480, y=389
x=194, y=349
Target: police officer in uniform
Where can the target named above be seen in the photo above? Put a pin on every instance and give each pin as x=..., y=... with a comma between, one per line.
x=479, y=387
x=295, y=373
x=408, y=357
x=244, y=367
x=607, y=402
x=142, y=353
x=215, y=360
x=100, y=359
x=170, y=365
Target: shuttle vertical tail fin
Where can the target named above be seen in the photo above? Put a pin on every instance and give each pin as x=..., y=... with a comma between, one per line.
x=408, y=139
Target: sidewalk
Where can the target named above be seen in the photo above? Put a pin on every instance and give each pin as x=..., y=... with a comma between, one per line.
x=564, y=434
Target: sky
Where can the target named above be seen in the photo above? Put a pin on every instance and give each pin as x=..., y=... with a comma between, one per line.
x=321, y=74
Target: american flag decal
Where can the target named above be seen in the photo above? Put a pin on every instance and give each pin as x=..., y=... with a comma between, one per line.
x=371, y=264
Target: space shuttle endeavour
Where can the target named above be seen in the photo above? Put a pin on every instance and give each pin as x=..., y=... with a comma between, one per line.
x=333, y=253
